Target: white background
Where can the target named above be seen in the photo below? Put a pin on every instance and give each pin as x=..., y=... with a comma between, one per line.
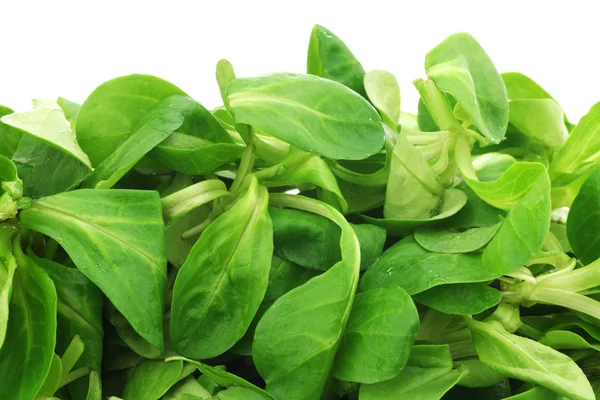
x=52, y=48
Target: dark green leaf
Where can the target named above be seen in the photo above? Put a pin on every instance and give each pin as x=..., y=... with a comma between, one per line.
x=378, y=338
x=583, y=223
x=408, y=265
x=28, y=350
x=328, y=57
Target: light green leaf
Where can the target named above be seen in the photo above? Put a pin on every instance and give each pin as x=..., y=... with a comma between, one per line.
x=47, y=122
x=314, y=114
x=580, y=153
x=225, y=75
x=116, y=238
x=48, y=157
x=152, y=379
x=459, y=66
x=9, y=136
x=534, y=112
x=109, y=114
x=378, y=338
x=414, y=190
x=384, y=93
x=528, y=360
x=8, y=265
x=583, y=223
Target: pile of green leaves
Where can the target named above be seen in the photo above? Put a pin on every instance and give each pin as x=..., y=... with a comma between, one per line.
x=153, y=249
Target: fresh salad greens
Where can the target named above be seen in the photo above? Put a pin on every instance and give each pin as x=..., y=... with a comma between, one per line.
x=307, y=240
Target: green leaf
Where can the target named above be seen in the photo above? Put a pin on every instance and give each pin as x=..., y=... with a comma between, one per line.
x=94, y=387
x=378, y=338
x=480, y=375
x=411, y=267
x=238, y=393
x=534, y=112
x=222, y=377
x=524, y=230
x=217, y=292
x=528, y=360
x=9, y=136
x=152, y=379
x=70, y=108
x=225, y=75
x=583, y=223
x=328, y=57
x=312, y=241
x=459, y=66
x=297, y=338
x=47, y=122
x=460, y=298
x=128, y=334
x=79, y=311
x=427, y=376
x=28, y=350
x=48, y=157
x=384, y=93
x=537, y=393
x=116, y=238
x=189, y=386
x=568, y=340
x=580, y=153
x=314, y=114
x=8, y=265
x=414, y=190
x=109, y=114
x=455, y=241
x=283, y=277
x=452, y=201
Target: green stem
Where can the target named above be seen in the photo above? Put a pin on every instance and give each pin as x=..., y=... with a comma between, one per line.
x=203, y=225
x=563, y=298
x=74, y=375
x=50, y=249
x=437, y=104
x=185, y=200
x=576, y=280
x=246, y=164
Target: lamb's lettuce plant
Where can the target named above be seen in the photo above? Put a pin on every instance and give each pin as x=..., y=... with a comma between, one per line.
x=306, y=240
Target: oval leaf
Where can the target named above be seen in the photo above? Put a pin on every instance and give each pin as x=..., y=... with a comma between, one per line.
x=312, y=113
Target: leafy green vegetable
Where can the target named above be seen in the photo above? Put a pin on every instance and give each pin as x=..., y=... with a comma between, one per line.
x=309, y=239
